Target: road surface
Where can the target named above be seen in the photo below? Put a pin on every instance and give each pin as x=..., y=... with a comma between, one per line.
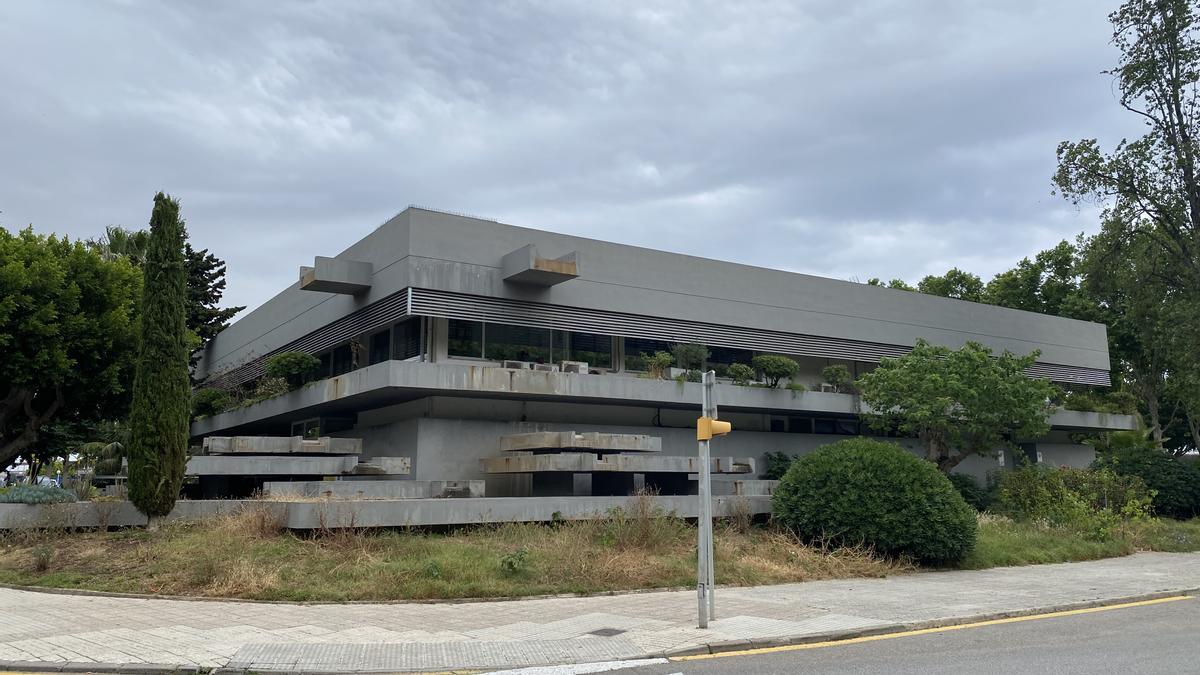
x=1154, y=638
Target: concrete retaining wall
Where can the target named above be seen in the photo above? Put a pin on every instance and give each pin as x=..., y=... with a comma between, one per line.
x=368, y=513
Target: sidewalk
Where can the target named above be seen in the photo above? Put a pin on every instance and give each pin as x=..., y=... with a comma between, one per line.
x=47, y=631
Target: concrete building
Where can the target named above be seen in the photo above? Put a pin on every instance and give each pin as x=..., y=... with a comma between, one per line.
x=438, y=334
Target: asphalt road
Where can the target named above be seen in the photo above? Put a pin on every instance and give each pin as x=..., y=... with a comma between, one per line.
x=1157, y=638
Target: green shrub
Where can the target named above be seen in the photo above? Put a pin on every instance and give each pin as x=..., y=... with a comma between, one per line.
x=295, y=368
x=209, y=401
x=836, y=376
x=693, y=376
x=741, y=373
x=270, y=387
x=657, y=364
x=689, y=355
x=36, y=494
x=972, y=492
x=862, y=491
x=515, y=562
x=774, y=368
x=1176, y=485
x=775, y=465
x=1091, y=501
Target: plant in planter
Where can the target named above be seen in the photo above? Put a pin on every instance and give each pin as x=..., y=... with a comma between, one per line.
x=836, y=376
x=294, y=367
x=774, y=368
x=657, y=364
x=690, y=356
x=741, y=373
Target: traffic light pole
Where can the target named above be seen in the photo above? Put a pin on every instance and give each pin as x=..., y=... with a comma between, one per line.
x=706, y=598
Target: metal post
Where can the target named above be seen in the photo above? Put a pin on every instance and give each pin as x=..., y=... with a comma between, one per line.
x=705, y=596
x=710, y=379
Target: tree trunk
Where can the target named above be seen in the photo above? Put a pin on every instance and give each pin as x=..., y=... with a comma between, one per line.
x=1156, y=430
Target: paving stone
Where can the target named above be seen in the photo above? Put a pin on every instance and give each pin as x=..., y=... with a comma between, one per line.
x=50, y=629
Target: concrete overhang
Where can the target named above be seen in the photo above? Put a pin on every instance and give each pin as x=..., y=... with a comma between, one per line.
x=333, y=275
x=525, y=266
x=394, y=382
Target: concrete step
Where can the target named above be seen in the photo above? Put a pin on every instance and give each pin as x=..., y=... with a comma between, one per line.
x=376, y=489
x=281, y=445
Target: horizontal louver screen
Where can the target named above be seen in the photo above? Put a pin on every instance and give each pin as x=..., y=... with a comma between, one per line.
x=452, y=305
x=426, y=302
x=377, y=314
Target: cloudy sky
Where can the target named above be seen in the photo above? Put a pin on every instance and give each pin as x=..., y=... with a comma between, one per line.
x=846, y=139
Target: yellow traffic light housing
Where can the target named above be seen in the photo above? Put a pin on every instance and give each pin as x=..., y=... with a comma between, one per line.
x=707, y=427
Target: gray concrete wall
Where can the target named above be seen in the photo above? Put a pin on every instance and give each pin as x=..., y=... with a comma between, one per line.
x=394, y=381
x=434, y=250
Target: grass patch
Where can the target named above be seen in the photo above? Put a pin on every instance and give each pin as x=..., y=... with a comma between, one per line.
x=244, y=555
x=247, y=555
x=1003, y=542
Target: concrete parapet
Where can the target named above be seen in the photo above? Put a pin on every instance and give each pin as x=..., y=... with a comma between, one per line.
x=578, y=462
x=295, y=465
x=281, y=445
x=371, y=512
x=377, y=489
x=570, y=440
x=251, y=465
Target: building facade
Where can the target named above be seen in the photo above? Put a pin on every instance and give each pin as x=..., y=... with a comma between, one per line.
x=437, y=334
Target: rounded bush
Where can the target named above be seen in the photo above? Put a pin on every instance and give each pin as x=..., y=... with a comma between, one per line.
x=864, y=492
x=1176, y=484
x=976, y=495
x=209, y=401
x=35, y=494
x=294, y=367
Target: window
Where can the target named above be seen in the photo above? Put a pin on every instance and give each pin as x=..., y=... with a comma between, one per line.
x=465, y=338
x=310, y=428
x=824, y=426
x=326, y=360
x=847, y=427
x=800, y=425
x=728, y=356
x=343, y=360
x=596, y=350
x=636, y=349
x=516, y=343
x=380, y=346
x=406, y=339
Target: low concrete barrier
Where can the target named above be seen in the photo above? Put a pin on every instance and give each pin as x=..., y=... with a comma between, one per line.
x=319, y=514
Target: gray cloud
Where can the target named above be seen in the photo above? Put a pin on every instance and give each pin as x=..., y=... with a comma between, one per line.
x=889, y=139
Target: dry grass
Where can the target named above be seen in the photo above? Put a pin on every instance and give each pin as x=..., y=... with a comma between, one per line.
x=248, y=555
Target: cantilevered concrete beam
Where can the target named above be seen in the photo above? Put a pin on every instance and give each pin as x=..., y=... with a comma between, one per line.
x=333, y=275
x=525, y=266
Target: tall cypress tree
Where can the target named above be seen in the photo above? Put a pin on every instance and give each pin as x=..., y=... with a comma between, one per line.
x=158, y=420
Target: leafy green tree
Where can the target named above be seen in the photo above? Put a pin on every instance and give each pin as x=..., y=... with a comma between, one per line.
x=836, y=376
x=955, y=283
x=898, y=284
x=294, y=367
x=1127, y=278
x=205, y=287
x=158, y=420
x=1151, y=180
x=66, y=336
x=1048, y=284
x=957, y=402
x=205, y=282
x=774, y=368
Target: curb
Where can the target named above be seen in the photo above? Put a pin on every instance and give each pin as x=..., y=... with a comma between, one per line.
x=837, y=636
x=710, y=648
x=83, y=592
